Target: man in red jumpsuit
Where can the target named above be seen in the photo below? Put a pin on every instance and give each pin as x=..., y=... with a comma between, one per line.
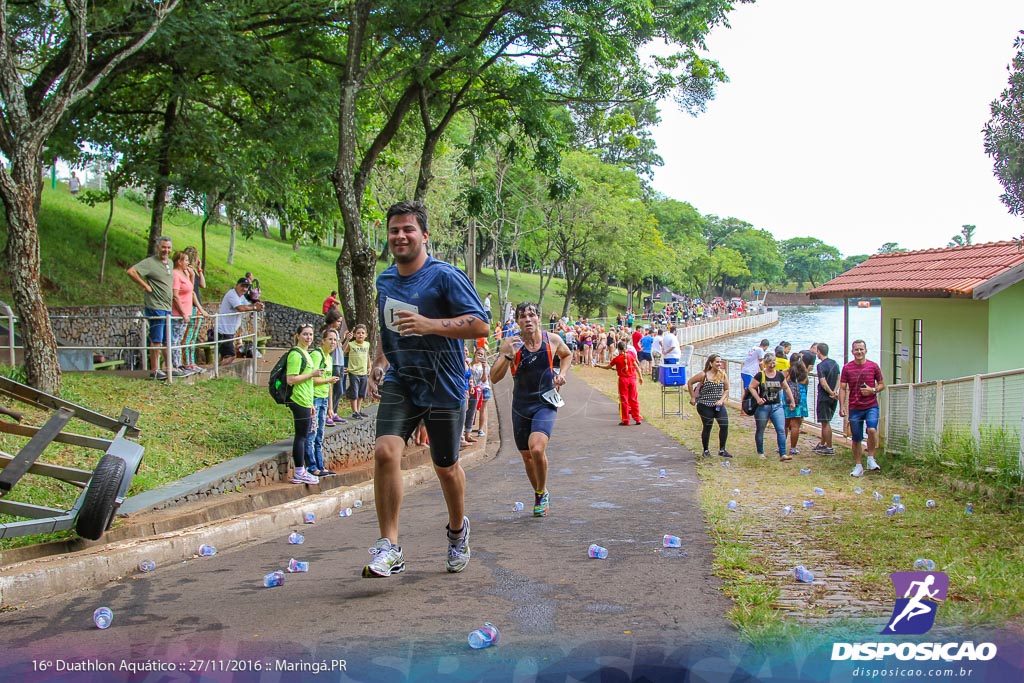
x=625, y=364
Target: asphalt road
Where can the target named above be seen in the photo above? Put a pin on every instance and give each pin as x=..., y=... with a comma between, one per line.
x=561, y=614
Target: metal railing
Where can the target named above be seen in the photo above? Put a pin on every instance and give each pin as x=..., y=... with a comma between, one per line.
x=132, y=341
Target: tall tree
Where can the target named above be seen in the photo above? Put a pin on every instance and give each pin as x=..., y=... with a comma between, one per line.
x=965, y=238
x=808, y=259
x=51, y=56
x=1004, y=134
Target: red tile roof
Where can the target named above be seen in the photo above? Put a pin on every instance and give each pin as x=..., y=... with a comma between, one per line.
x=976, y=271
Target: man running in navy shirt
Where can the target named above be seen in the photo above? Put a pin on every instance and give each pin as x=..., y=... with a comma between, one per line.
x=424, y=308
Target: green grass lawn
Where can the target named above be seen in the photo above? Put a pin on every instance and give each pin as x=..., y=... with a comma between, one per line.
x=71, y=237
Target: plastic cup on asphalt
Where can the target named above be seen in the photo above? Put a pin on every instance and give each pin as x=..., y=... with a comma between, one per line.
x=671, y=541
x=295, y=538
x=309, y=518
x=297, y=566
x=345, y=512
x=485, y=636
x=273, y=579
x=102, y=617
x=207, y=550
x=517, y=506
x=597, y=552
x=147, y=566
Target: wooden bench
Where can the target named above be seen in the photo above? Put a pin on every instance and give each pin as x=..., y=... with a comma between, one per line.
x=108, y=365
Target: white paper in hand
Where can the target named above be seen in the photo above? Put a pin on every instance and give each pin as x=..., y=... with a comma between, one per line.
x=391, y=308
x=554, y=398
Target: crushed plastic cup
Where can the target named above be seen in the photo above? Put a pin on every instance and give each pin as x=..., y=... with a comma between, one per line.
x=788, y=510
x=146, y=566
x=345, y=512
x=102, y=617
x=671, y=541
x=207, y=550
x=273, y=579
x=735, y=492
x=806, y=470
x=295, y=538
x=820, y=491
x=808, y=503
x=725, y=463
x=858, y=491
x=929, y=503
x=732, y=505
x=309, y=518
x=485, y=636
x=876, y=495
x=901, y=508
x=970, y=509
x=357, y=504
x=296, y=566
x=597, y=552
x=896, y=498
x=802, y=574
x=923, y=564
x=891, y=511
x=661, y=473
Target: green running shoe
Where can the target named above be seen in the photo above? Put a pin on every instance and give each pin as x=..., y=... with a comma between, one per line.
x=540, y=508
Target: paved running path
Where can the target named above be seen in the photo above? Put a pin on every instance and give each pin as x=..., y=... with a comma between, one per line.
x=561, y=614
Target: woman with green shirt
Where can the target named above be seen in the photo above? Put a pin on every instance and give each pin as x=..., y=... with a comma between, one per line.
x=321, y=357
x=301, y=372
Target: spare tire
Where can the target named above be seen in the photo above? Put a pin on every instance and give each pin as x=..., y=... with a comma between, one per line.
x=100, y=498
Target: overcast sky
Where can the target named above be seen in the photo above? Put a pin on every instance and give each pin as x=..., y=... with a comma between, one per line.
x=855, y=122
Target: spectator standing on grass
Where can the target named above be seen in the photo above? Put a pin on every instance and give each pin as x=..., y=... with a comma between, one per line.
x=860, y=383
x=768, y=388
x=708, y=391
x=320, y=357
x=300, y=373
x=425, y=308
x=195, y=322
x=183, y=303
x=828, y=398
x=74, y=184
x=797, y=377
x=154, y=274
x=753, y=363
x=357, y=350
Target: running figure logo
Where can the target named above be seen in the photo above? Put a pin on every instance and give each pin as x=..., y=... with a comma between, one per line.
x=914, y=613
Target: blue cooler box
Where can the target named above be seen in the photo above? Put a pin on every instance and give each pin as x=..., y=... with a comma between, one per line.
x=672, y=375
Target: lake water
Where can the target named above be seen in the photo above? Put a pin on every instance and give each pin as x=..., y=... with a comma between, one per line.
x=803, y=325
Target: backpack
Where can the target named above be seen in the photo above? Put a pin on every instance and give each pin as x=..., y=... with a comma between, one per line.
x=280, y=390
x=749, y=405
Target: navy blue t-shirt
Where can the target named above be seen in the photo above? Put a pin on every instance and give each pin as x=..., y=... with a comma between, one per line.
x=431, y=367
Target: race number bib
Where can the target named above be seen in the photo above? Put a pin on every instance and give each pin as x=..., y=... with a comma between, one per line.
x=391, y=308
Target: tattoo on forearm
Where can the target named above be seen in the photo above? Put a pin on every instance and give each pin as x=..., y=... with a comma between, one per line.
x=461, y=322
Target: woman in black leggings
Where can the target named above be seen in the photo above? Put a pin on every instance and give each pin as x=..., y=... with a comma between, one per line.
x=708, y=391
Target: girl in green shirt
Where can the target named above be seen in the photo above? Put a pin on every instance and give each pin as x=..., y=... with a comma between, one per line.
x=300, y=375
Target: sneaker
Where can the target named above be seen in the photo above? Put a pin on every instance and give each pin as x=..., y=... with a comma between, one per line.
x=387, y=560
x=458, y=552
x=817, y=448
x=357, y=416
x=481, y=432
x=872, y=465
x=784, y=458
x=329, y=422
x=858, y=471
x=724, y=453
x=794, y=451
x=178, y=372
x=827, y=450
x=304, y=478
x=761, y=455
x=159, y=374
x=362, y=414
x=623, y=424
x=706, y=454
x=543, y=504
x=639, y=422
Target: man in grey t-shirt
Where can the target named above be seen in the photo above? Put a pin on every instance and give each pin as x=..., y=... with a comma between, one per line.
x=154, y=275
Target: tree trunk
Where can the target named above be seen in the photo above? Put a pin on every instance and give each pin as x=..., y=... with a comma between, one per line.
x=19, y=191
x=231, y=243
x=163, y=177
x=106, y=232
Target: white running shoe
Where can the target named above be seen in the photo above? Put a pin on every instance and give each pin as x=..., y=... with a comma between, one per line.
x=458, y=552
x=304, y=477
x=388, y=559
x=872, y=465
x=858, y=471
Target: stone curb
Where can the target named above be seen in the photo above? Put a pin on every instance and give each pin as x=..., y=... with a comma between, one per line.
x=48, y=577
